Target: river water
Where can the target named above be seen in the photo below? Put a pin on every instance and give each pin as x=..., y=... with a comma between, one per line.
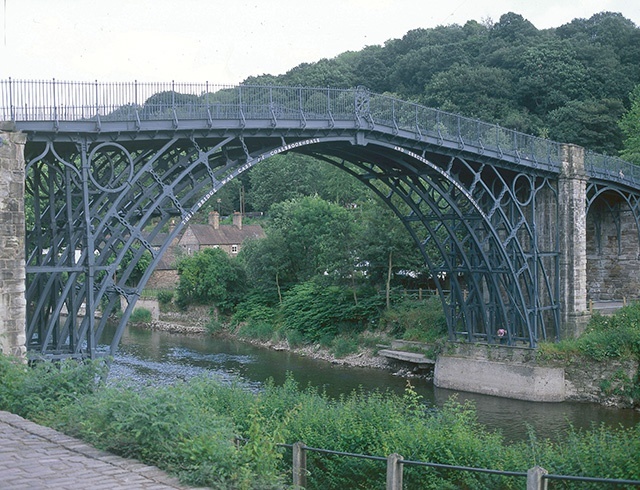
x=155, y=358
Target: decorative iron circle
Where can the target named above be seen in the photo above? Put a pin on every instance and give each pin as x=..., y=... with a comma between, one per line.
x=522, y=189
x=110, y=167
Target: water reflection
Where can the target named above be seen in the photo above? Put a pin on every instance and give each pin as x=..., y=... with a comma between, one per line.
x=152, y=357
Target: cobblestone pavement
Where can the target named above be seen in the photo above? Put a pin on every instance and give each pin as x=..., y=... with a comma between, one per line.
x=35, y=457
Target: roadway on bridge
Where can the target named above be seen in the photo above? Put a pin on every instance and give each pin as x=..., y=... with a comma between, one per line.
x=35, y=457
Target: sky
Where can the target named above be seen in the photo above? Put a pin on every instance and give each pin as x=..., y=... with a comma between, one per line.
x=224, y=42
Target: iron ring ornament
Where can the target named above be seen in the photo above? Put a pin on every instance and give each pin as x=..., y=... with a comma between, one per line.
x=111, y=167
x=522, y=189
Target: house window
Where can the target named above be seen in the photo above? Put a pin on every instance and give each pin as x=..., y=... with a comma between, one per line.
x=234, y=249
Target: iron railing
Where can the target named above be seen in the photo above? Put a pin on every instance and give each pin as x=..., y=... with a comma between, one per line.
x=60, y=101
x=534, y=478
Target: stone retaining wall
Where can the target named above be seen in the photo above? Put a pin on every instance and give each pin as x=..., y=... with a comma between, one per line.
x=515, y=373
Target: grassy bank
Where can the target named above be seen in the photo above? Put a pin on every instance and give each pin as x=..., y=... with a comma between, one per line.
x=190, y=429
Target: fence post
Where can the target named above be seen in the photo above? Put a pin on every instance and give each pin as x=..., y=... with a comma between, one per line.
x=394, y=472
x=535, y=480
x=299, y=465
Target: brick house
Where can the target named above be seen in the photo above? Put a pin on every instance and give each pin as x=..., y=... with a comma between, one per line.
x=197, y=237
x=214, y=235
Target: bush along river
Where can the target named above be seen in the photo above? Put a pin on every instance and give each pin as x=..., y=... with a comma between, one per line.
x=154, y=357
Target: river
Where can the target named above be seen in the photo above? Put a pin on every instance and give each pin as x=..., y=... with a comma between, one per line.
x=155, y=357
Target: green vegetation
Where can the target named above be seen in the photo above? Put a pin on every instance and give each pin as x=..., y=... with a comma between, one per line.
x=325, y=273
x=606, y=338
x=164, y=296
x=190, y=430
x=630, y=125
x=209, y=276
x=140, y=315
x=570, y=83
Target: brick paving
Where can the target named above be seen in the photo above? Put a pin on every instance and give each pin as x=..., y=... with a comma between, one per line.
x=35, y=457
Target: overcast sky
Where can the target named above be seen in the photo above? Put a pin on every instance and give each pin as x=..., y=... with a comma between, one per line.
x=227, y=41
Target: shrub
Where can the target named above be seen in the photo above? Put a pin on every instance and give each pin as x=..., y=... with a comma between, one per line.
x=214, y=325
x=189, y=429
x=140, y=315
x=419, y=320
x=343, y=346
x=316, y=310
x=35, y=391
x=256, y=330
x=165, y=296
x=210, y=276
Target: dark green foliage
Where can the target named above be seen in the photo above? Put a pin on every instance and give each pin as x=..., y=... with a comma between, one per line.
x=210, y=277
x=417, y=320
x=317, y=310
x=165, y=297
x=140, y=315
x=507, y=72
x=317, y=234
x=590, y=123
x=134, y=272
x=189, y=429
x=630, y=126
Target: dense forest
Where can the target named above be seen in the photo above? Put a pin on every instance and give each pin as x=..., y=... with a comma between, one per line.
x=570, y=84
x=332, y=248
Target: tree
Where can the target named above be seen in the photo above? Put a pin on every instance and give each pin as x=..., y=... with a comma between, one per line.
x=513, y=28
x=210, y=276
x=549, y=77
x=281, y=178
x=385, y=246
x=630, y=126
x=267, y=263
x=591, y=124
x=476, y=91
x=318, y=236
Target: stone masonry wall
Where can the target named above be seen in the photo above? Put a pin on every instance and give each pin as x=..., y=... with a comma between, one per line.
x=12, y=231
x=613, y=259
x=573, y=239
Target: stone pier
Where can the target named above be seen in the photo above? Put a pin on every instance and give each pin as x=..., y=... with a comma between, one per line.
x=572, y=186
x=12, y=232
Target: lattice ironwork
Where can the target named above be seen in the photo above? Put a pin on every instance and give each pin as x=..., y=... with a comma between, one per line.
x=106, y=178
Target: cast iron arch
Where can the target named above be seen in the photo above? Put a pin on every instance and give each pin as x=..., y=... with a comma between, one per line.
x=471, y=221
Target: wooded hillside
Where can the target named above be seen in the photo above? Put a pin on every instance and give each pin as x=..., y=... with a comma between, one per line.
x=570, y=84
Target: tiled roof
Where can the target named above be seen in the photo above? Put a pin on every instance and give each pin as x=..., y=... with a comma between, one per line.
x=206, y=235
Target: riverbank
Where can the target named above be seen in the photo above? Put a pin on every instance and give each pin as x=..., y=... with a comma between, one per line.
x=365, y=358
x=605, y=383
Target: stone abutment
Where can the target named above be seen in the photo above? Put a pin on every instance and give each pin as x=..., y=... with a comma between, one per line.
x=12, y=247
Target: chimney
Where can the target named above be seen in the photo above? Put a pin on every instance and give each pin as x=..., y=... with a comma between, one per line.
x=214, y=219
x=237, y=220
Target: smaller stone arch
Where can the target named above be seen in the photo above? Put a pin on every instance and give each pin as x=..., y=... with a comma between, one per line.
x=612, y=244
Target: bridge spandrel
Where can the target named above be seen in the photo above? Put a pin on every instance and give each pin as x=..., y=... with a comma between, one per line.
x=478, y=194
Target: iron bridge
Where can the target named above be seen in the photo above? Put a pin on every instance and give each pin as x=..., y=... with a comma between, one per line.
x=109, y=166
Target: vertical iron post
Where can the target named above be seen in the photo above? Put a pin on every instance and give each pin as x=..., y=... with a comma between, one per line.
x=11, y=109
x=89, y=255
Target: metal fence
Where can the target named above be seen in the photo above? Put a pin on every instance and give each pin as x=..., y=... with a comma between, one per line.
x=60, y=101
x=535, y=478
